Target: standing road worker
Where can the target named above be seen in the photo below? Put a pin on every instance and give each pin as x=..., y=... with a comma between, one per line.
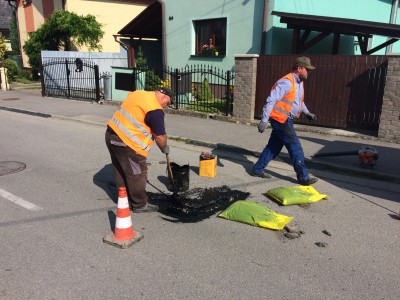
x=129, y=136
x=285, y=103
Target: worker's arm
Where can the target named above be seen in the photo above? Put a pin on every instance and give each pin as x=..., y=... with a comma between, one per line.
x=282, y=87
x=161, y=141
x=155, y=120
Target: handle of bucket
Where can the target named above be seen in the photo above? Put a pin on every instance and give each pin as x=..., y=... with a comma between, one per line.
x=170, y=173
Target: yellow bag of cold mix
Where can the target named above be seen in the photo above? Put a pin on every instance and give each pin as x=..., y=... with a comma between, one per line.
x=255, y=214
x=291, y=195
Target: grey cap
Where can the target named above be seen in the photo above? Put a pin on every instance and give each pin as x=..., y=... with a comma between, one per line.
x=168, y=92
x=304, y=62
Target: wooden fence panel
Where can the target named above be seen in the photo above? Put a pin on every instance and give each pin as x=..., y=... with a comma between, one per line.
x=344, y=91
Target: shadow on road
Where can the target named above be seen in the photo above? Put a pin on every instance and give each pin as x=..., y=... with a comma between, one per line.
x=105, y=180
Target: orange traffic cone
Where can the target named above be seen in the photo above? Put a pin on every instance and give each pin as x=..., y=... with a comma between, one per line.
x=124, y=236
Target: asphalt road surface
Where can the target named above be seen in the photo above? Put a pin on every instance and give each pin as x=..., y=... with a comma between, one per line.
x=55, y=213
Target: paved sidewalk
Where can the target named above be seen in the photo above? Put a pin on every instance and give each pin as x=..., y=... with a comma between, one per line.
x=223, y=135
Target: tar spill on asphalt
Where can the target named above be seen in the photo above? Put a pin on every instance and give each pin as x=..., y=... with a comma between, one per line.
x=197, y=204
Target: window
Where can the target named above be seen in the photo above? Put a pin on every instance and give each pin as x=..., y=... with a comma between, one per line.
x=211, y=37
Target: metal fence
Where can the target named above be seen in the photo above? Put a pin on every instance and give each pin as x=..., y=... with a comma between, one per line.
x=344, y=91
x=70, y=78
x=198, y=88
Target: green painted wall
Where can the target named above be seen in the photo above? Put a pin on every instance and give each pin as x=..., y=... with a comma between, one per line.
x=244, y=29
x=244, y=26
x=365, y=10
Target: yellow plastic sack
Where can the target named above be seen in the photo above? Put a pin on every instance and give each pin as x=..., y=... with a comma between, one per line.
x=291, y=195
x=255, y=214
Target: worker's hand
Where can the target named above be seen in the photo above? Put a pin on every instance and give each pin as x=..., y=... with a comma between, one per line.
x=311, y=117
x=262, y=126
x=166, y=150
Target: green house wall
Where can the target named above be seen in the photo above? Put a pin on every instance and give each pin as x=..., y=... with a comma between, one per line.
x=244, y=27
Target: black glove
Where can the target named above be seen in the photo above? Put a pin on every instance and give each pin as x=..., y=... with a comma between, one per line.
x=166, y=150
x=311, y=117
x=262, y=126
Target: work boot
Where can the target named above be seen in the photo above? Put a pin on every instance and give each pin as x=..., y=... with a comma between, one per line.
x=263, y=175
x=148, y=207
x=309, y=181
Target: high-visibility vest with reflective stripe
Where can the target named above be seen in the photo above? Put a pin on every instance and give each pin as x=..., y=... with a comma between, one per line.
x=282, y=108
x=128, y=121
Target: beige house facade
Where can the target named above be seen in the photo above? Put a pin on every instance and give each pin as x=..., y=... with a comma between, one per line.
x=113, y=15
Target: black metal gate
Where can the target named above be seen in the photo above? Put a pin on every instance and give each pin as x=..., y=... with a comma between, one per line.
x=70, y=78
x=198, y=88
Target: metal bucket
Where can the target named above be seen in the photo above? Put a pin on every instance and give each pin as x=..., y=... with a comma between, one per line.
x=181, y=177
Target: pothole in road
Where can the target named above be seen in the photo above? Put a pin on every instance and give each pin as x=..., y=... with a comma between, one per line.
x=198, y=203
x=9, y=99
x=10, y=167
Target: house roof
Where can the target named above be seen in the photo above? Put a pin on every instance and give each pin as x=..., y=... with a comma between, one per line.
x=6, y=11
x=363, y=30
x=147, y=24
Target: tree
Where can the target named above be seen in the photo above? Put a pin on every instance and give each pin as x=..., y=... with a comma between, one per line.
x=153, y=81
x=205, y=93
x=60, y=32
x=14, y=32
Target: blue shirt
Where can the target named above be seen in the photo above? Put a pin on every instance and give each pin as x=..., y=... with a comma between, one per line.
x=155, y=120
x=283, y=87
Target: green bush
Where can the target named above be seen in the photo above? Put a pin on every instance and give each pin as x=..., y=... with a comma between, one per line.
x=153, y=82
x=24, y=74
x=12, y=69
x=12, y=52
x=204, y=93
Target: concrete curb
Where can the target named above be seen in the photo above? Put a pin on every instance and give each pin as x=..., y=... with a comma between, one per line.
x=312, y=164
x=284, y=158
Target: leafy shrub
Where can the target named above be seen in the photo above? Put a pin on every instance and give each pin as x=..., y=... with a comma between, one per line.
x=12, y=69
x=24, y=74
x=2, y=48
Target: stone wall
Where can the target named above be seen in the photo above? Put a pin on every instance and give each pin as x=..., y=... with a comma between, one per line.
x=245, y=86
x=389, y=127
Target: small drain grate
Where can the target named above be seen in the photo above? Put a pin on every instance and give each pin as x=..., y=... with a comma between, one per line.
x=9, y=99
x=10, y=167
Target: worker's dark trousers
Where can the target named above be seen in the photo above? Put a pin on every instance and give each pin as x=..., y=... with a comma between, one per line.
x=130, y=169
x=283, y=135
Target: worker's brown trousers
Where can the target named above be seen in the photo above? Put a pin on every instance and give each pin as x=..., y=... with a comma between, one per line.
x=130, y=169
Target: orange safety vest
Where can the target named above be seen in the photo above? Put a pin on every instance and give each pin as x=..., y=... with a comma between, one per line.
x=128, y=121
x=282, y=108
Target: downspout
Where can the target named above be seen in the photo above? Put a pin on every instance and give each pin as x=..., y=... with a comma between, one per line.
x=164, y=44
x=163, y=34
x=393, y=17
x=125, y=46
x=264, y=27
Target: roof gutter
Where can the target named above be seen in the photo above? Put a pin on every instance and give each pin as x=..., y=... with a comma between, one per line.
x=9, y=3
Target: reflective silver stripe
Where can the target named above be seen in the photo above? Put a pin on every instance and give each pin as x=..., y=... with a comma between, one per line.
x=286, y=101
x=129, y=134
x=134, y=122
x=281, y=110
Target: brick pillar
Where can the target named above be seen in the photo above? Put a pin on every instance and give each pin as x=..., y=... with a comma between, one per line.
x=245, y=86
x=389, y=126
